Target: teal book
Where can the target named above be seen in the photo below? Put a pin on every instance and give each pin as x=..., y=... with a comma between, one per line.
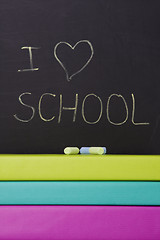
x=79, y=193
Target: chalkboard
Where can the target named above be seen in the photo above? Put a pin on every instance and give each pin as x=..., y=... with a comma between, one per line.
x=79, y=73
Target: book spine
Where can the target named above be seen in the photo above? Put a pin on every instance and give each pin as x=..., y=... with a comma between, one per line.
x=70, y=167
x=79, y=222
x=79, y=193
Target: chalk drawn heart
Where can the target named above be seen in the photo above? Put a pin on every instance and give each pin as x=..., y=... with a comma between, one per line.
x=73, y=48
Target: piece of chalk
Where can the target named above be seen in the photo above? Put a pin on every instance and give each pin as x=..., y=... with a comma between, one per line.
x=71, y=150
x=96, y=150
x=93, y=150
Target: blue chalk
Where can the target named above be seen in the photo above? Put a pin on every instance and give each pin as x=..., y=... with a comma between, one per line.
x=85, y=150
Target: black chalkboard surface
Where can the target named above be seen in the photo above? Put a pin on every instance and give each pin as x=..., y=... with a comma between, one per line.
x=79, y=73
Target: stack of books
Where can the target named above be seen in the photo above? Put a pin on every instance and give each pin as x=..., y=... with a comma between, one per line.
x=81, y=197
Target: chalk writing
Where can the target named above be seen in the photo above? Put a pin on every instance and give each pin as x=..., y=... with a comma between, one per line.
x=101, y=108
x=84, y=66
x=76, y=107
x=133, y=113
x=33, y=110
x=30, y=60
x=125, y=104
x=68, y=108
x=39, y=107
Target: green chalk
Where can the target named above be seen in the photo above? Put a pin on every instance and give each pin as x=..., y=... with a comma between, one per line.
x=71, y=150
x=96, y=150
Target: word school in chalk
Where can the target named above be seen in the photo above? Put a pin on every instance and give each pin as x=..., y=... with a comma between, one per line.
x=75, y=107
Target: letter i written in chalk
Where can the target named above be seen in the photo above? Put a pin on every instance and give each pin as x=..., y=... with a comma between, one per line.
x=30, y=60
